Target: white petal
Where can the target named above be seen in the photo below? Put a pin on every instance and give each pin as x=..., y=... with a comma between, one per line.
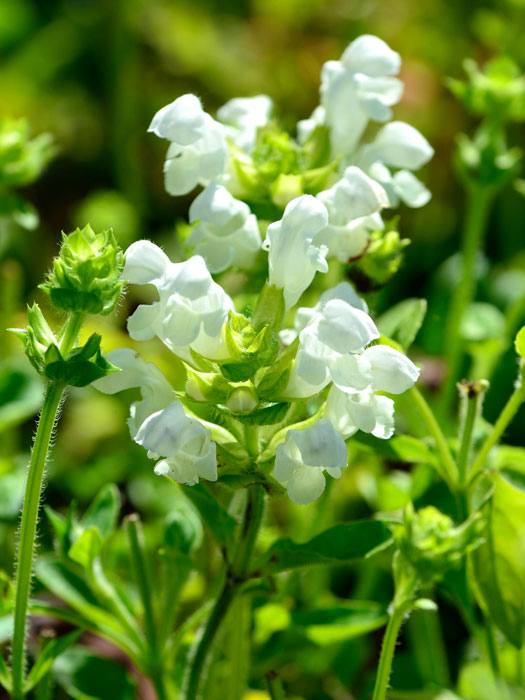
x=351, y=373
x=145, y=263
x=182, y=121
x=411, y=190
x=306, y=485
x=355, y=195
x=349, y=413
x=144, y=322
x=160, y=432
x=344, y=328
x=391, y=370
x=346, y=292
x=370, y=55
x=320, y=445
x=401, y=146
x=384, y=413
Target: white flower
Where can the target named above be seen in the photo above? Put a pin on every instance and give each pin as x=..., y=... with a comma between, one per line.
x=353, y=205
x=186, y=445
x=198, y=152
x=294, y=257
x=242, y=116
x=333, y=348
x=226, y=232
x=359, y=88
x=156, y=391
x=398, y=145
x=362, y=410
x=191, y=310
x=300, y=462
x=305, y=127
x=158, y=421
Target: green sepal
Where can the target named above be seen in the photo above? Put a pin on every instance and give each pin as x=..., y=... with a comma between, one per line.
x=267, y=415
x=82, y=366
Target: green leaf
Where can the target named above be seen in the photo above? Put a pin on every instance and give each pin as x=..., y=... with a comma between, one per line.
x=218, y=520
x=403, y=321
x=86, y=547
x=339, y=545
x=481, y=322
x=5, y=676
x=88, y=677
x=47, y=656
x=498, y=565
x=337, y=624
x=72, y=589
x=20, y=392
x=104, y=511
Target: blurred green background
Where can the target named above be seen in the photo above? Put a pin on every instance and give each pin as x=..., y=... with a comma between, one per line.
x=93, y=72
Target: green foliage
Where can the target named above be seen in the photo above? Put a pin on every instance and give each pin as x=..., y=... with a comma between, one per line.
x=84, y=675
x=340, y=544
x=85, y=277
x=402, y=322
x=498, y=566
x=22, y=160
x=381, y=261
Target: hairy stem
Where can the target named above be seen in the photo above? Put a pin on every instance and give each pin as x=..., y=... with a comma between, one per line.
x=28, y=526
x=387, y=651
x=235, y=576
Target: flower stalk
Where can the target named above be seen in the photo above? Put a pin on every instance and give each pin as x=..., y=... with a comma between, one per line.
x=26, y=545
x=235, y=575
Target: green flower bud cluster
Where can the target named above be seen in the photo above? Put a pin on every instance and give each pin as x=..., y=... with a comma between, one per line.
x=85, y=277
x=279, y=169
x=497, y=90
x=22, y=160
x=246, y=385
x=497, y=94
x=429, y=543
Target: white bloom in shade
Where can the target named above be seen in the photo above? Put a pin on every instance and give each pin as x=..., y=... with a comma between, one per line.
x=186, y=445
x=300, y=462
x=359, y=88
x=156, y=391
x=398, y=145
x=191, y=310
x=362, y=410
x=198, y=152
x=353, y=205
x=225, y=232
x=242, y=116
x=294, y=257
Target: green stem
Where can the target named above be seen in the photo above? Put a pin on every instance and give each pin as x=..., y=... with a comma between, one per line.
x=69, y=332
x=274, y=686
x=387, y=650
x=472, y=394
x=492, y=649
x=137, y=548
x=235, y=576
x=509, y=411
x=479, y=201
x=26, y=546
x=447, y=469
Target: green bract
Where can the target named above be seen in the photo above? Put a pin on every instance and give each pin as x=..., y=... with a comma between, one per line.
x=86, y=274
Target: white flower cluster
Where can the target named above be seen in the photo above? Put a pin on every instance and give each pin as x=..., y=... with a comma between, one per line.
x=336, y=338
x=359, y=89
